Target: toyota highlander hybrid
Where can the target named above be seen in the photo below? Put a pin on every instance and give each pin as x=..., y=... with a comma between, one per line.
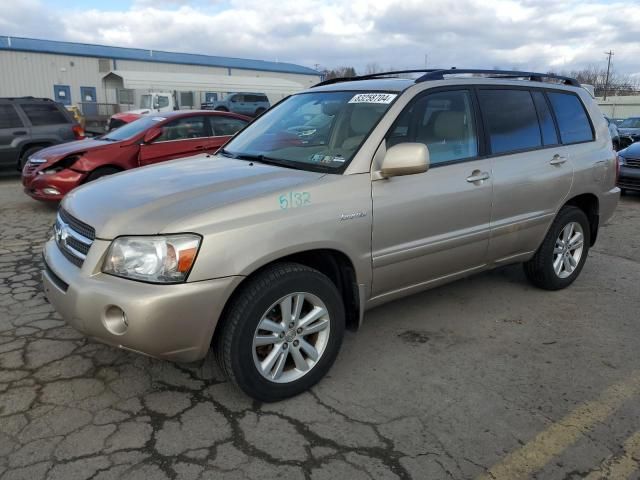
x=338, y=199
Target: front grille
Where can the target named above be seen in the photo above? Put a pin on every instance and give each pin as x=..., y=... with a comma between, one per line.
x=633, y=162
x=628, y=182
x=79, y=226
x=73, y=237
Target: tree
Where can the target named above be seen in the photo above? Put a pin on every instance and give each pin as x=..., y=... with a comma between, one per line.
x=619, y=84
x=372, y=68
x=339, y=72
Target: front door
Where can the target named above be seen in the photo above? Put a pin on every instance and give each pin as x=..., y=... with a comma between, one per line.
x=429, y=227
x=180, y=138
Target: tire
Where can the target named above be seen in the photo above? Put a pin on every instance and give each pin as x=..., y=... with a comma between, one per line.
x=222, y=109
x=623, y=192
x=101, y=172
x=235, y=343
x=260, y=111
x=541, y=269
x=26, y=154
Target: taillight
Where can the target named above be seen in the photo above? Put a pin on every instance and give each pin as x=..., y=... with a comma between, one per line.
x=78, y=132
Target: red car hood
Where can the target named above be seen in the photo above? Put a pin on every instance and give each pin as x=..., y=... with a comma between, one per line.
x=57, y=152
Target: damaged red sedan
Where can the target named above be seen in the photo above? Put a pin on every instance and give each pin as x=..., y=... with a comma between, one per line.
x=51, y=173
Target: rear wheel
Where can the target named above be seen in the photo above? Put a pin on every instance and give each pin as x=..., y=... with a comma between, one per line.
x=282, y=332
x=560, y=258
x=260, y=111
x=222, y=109
x=101, y=172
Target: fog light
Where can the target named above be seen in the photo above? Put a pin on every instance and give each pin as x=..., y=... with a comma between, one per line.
x=115, y=320
x=50, y=191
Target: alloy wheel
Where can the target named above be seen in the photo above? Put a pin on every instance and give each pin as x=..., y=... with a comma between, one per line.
x=568, y=249
x=291, y=337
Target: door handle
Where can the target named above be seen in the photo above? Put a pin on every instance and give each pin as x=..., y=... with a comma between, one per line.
x=478, y=176
x=19, y=132
x=557, y=160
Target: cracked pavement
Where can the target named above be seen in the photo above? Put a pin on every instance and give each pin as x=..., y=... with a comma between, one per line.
x=443, y=384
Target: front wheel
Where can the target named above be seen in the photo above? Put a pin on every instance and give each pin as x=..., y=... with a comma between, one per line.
x=560, y=258
x=282, y=332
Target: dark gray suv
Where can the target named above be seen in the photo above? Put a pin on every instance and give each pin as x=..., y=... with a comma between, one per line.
x=30, y=124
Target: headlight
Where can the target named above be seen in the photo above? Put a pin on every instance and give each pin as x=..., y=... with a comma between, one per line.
x=155, y=259
x=63, y=164
x=621, y=159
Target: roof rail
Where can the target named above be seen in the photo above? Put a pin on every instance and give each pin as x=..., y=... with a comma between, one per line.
x=438, y=74
x=533, y=76
x=372, y=76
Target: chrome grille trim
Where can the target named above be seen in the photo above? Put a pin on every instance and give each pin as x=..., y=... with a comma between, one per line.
x=73, y=244
x=633, y=162
x=79, y=226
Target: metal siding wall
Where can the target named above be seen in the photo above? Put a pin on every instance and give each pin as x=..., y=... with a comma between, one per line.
x=24, y=73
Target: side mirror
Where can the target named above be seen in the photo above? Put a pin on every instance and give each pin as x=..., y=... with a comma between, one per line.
x=151, y=135
x=405, y=159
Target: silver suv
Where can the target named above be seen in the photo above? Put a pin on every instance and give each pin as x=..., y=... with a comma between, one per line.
x=340, y=198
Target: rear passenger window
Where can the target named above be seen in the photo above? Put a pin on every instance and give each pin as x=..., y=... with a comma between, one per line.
x=9, y=117
x=443, y=122
x=510, y=120
x=572, y=118
x=43, y=114
x=547, y=127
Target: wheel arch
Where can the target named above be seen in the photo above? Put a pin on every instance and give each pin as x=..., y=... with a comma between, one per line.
x=108, y=165
x=31, y=144
x=590, y=205
x=333, y=263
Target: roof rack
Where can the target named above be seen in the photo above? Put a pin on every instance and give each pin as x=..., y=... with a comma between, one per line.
x=373, y=75
x=532, y=76
x=438, y=74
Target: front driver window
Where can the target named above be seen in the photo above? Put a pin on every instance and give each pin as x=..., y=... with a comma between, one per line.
x=443, y=122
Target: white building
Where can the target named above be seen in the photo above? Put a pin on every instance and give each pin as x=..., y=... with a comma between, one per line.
x=74, y=73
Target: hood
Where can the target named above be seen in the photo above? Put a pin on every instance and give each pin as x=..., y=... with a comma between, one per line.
x=57, y=152
x=148, y=200
x=632, y=151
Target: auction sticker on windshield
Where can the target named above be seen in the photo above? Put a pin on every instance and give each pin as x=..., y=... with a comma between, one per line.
x=373, y=98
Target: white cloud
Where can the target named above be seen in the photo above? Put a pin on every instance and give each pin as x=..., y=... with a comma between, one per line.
x=531, y=34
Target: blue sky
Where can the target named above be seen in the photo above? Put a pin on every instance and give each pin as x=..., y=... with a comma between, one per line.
x=525, y=34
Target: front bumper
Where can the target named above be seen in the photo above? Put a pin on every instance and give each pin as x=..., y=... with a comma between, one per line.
x=63, y=181
x=629, y=178
x=172, y=322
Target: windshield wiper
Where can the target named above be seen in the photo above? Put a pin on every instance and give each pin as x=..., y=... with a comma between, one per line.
x=267, y=160
x=226, y=153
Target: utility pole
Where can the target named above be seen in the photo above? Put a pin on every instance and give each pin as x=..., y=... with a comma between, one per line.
x=606, y=82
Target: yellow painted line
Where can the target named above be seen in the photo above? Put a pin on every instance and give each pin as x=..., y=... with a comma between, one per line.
x=549, y=443
x=621, y=466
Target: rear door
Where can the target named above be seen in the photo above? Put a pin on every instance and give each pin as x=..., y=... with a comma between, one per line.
x=238, y=104
x=532, y=170
x=222, y=129
x=12, y=128
x=180, y=138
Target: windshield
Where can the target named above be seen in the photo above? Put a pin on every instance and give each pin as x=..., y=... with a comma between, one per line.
x=315, y=131
x=631, y=123
x=132, y=129
x=145, y=101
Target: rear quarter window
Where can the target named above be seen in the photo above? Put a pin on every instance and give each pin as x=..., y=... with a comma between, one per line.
x=571, y=116
x=43, y=114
